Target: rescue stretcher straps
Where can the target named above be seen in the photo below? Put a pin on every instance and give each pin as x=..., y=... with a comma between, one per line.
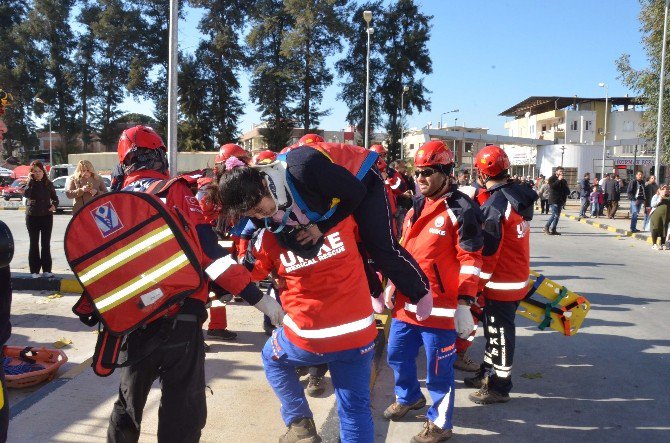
x=549, y=306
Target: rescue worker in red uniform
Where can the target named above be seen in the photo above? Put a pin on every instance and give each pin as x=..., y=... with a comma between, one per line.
x=307, y=191
x=179, y=361
x=218, y=319
x=507, y=208
x=443, y=233
x=329, y=320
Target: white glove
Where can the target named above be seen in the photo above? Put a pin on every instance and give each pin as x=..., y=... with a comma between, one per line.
x=378, y=304
x=425, y=306
x=388, y=295
x=269, y=306
x=463, y=321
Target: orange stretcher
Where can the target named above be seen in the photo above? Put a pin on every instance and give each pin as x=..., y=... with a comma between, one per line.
x=28, y=366
x=556, y=307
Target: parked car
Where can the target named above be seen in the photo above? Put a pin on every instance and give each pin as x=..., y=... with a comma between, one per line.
x=16, y=189
x=64, y=170
x=61, y=183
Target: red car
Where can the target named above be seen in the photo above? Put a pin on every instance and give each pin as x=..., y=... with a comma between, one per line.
x=15, y=190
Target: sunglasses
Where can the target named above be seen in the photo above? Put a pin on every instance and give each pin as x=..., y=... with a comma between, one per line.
x=425, y=172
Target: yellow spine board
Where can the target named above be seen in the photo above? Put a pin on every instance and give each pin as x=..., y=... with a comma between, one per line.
x=572, y=308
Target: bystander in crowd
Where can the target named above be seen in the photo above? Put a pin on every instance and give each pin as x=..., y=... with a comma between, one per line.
x=41, y=203
x=84, y=185
x=660, y=216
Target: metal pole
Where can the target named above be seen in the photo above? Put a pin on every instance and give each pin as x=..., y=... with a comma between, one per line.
x=661, y=87
x=51, y=160
x=367, y=88
x=602, y=169
x=402, y=125
x=172, y=88
x=634, y=159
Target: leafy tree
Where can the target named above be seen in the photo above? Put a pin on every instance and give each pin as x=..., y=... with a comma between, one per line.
x=352, y=68
x=315, y=35
x=406, y=32
x=115, y=32
x=222, y=57
x=273, y=86
x=21, y=74
x=646, y=81
x=48, y=27
x=195, y=128
x=87, y=67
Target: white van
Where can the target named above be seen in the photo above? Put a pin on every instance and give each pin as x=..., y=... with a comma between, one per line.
x=61, y=170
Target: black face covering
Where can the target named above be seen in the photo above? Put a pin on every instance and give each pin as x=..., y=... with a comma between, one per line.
x=145, y=159
x=287, y=239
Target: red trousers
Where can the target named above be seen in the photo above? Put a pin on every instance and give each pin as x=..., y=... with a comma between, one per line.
x=217, y=318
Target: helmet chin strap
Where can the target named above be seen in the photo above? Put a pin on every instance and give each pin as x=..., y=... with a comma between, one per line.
x=440, y=190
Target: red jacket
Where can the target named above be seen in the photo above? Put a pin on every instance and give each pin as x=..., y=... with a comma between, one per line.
x=444, y=236
x=507, y=212
x=326, y=299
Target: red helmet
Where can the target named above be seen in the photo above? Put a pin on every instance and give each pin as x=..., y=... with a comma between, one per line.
x=310, y=138
x=230, y=150
x=379, y=149
x=491, y=161
x=264, y=157
x=138, y=137
x=433, y=153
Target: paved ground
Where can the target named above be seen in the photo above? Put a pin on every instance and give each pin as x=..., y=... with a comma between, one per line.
x=607, y=383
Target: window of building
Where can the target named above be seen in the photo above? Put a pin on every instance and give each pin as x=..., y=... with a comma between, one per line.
x=588, y=125
x=544, y=128
x=573, y=125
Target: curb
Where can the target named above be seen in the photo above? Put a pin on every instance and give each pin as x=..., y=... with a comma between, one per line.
x=16, y=208
x=60, y=283
x=602, y=226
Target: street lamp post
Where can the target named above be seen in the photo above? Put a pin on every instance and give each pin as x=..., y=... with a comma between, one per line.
x=172, y=129
x=445, y=113
x=661, y=87
x=51, y=162
x=602, y=169
x=402, y=122
x=367, y=16
x=562, y=154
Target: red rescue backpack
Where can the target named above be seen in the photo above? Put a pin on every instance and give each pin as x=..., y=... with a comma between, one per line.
x=135, y=257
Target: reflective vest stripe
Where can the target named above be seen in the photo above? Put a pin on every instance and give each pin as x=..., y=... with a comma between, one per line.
x=435, y=312
x=485, y=275
x=220, y=266
x=143, y=281
x=140, y=246
x=507, y=286
x=452, y=216
x=333, y=331
x=471, y=270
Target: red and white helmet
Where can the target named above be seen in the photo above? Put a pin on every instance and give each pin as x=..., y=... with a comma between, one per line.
x=379, y=149
x=138, y=137
x=230, y=150
x=433, y=153
x=264, y=158
x=310, y=138
x=492, y=161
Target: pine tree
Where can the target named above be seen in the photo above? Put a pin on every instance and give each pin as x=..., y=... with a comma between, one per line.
x=646, y=81
x=316, y=35
x=48, y=27
x=195, y=128
x=86, y=73
x=406, y=32
x=222, y=58
x=353, y=66
x=273, y=86
x=21, y=74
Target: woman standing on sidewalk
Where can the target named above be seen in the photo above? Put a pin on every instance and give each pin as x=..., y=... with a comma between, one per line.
x=544, y=197
x=84, y=185
x=40, y=207
x=660, y=216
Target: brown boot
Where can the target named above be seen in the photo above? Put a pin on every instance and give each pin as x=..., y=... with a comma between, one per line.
x=465, y=363
x=397, y=411
x=486, y=396
x=302, y=430
x=431, y=434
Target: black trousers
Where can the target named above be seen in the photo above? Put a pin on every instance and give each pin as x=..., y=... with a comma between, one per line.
x=180, y=365
x=374, y=219
x=39, y=232
x=500, y=334
x=544, y=206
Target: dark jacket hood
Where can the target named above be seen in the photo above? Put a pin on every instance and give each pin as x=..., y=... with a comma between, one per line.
x=521, y=197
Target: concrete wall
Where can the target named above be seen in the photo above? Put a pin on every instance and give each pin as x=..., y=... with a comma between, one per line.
x=186, y=161
x=586, y=158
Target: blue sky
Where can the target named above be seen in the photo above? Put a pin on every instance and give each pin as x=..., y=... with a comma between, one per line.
x=491, y=54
